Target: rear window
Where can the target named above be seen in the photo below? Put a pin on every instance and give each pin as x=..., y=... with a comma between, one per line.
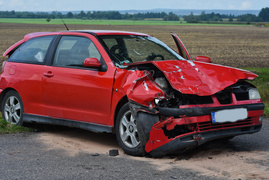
x=32, y=51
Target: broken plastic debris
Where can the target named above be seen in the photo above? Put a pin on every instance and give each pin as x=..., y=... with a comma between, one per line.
x=113, y=152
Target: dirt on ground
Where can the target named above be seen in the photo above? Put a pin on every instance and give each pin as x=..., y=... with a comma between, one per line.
x=220, y=159
x=238, y=46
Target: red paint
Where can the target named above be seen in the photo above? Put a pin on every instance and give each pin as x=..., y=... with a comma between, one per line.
x=203, y=59
x=92, y=62
x=181, y=48
x=141, y=88
x=158, y=138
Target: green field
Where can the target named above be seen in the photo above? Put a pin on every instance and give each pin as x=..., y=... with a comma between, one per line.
x=108, y=22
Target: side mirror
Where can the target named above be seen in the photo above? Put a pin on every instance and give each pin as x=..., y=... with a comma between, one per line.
x=92, y=62
x=203, y=59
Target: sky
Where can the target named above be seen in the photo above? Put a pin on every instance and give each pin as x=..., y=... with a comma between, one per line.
x=102, y=5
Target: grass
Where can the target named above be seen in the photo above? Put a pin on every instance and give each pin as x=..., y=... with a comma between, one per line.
x=262, y=83
x=109, y=22
x=6, y=127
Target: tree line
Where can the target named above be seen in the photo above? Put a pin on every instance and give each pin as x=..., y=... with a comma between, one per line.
x=90, y=15
x=262, y=17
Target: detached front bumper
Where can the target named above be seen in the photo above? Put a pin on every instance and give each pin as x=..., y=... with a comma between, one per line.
x=196, y=139
x=187, y=128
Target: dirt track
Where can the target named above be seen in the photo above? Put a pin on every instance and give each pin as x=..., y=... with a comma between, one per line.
x=244, y=157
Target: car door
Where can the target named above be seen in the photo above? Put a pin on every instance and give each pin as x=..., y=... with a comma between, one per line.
x=72, y=91
x=182, y=51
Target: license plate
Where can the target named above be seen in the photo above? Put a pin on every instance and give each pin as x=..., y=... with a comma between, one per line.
x=229, y=115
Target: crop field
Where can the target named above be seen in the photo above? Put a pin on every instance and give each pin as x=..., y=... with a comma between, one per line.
x=149, y=21
x=238, y=46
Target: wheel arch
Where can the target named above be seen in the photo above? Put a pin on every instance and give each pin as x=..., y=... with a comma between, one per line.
x=4, y=92
x=121, y=103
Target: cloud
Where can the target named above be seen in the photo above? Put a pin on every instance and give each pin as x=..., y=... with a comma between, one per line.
x=246, y=5
x=16, y=3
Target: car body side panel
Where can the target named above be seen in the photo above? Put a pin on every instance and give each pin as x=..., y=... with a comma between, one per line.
x=26, y=80
x=118, y=92
x=82, y=94
x=13, y=47
x=124, y=85
x=86, y=98
x=141, y=88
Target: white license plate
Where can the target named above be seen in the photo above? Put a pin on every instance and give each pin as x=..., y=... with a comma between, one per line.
x=229, y=115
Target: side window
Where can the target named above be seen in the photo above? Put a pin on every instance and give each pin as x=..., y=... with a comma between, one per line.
x=32, y=51
x=73, y=50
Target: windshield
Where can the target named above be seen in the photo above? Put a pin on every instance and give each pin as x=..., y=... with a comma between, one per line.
x=125, y=49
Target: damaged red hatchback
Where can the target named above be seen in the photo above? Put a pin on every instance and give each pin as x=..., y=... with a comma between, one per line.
x=155, y=99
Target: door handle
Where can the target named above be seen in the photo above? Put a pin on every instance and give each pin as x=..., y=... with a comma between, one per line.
x=48, y=74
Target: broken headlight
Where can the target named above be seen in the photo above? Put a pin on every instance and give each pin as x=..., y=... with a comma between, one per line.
x=253, y=93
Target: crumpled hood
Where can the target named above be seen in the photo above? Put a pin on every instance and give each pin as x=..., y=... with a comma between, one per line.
x=203, y=79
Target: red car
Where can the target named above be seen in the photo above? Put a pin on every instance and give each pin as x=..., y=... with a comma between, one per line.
x=155, y=99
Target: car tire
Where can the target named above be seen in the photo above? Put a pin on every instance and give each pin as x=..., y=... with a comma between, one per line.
x=127, y=134
x=12, y=108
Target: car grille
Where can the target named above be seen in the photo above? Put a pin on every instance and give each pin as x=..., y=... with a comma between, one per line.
x=241, y=96
x=224, y=97
x=205, y=126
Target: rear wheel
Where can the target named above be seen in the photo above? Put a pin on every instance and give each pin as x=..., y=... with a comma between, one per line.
x=12, y=108
x=127, y=133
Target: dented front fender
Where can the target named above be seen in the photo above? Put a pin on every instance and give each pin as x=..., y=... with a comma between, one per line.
x=141, y=88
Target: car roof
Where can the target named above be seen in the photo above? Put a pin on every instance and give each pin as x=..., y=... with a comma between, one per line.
x=109, y=32
x=93, y=32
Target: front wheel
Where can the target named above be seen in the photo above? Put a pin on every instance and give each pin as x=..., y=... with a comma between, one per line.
x=127, y=133
x=12, y=108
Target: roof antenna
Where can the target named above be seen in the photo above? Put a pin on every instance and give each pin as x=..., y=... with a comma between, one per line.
x=64, y=24
x=63, y=21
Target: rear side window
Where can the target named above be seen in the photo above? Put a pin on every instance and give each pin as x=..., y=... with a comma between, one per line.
x=73, y=50
x=32, y=51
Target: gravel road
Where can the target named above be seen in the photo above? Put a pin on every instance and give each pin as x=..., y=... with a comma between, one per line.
x=67, y=153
